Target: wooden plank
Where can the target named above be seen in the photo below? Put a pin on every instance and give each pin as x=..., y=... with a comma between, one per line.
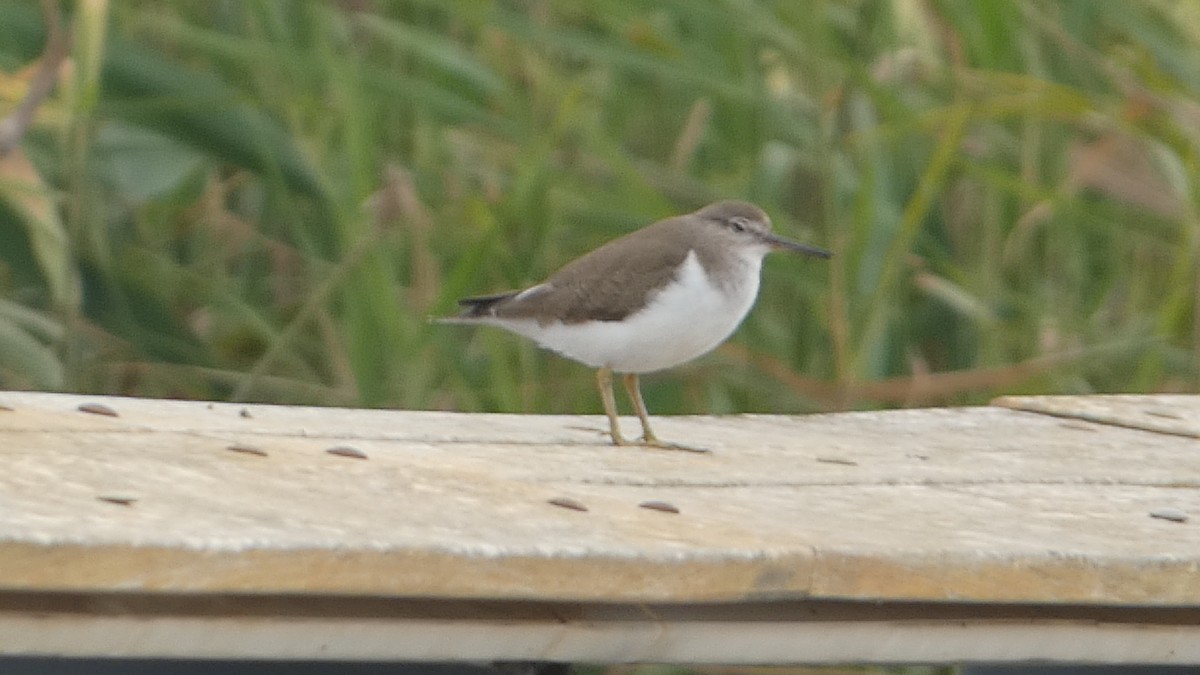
x=175, y=502
x=980, y=504
x=1161, y=413
x=768, y=633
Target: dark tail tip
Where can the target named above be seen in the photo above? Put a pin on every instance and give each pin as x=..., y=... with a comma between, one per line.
x=481, y=306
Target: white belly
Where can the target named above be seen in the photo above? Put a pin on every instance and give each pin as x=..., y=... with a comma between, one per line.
x=687, y=319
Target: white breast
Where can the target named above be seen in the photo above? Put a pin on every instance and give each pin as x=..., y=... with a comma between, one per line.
x=686, y=319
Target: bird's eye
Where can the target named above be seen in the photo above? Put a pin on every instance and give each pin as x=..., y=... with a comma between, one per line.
x=739, y=223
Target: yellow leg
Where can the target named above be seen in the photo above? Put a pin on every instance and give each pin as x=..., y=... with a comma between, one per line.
x=634, y=389
x=604, y=383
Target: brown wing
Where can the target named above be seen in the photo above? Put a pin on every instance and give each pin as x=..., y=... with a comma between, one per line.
x=607, y=284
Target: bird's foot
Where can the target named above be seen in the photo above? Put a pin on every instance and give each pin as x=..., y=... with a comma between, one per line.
x=656, y=443
x=650, y=441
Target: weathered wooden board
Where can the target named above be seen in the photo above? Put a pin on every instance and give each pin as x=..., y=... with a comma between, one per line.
x=964, y=505
x=1167, y=414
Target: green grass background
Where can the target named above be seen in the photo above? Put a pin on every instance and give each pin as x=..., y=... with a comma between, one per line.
x=266, y=200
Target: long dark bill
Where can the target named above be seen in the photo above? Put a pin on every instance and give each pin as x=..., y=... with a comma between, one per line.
x=796, y=247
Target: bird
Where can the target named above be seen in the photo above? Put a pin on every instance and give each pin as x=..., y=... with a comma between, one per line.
x=650, y=300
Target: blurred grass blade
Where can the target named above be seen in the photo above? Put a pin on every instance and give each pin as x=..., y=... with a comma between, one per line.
x=23, y=188
x=142, y=165
x=196, y=109
x=87, y=54
x=26, y=361
x=956, y=297
x=435, y=49
x=35, y=323
x=882, y=298
x=679, y=70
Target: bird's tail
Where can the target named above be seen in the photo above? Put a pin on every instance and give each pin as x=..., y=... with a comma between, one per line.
x=475, y=309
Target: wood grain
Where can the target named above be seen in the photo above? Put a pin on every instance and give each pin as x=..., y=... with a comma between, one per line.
x=963, y=505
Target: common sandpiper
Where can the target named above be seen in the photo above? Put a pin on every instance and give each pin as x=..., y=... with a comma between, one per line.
x=650, y=300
